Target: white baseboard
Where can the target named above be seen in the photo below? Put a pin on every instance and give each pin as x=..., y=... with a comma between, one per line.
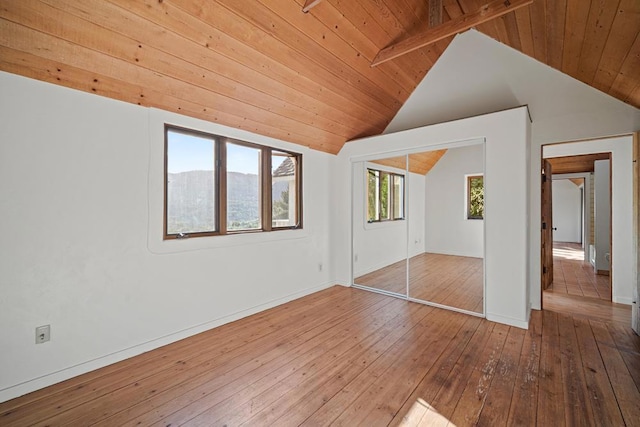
x=622, y=300
x=508, y=321
x=23, y=388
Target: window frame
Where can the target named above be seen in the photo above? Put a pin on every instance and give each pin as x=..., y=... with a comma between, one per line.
x=467, y=213
x=391, y=196
x=220, y=186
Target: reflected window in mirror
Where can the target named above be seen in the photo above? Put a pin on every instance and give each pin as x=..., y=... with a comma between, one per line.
x=475, y=197
x=385, y=196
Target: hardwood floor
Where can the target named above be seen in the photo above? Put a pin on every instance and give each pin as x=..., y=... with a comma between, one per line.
x=453, y=281
x=344, y=356
x=573, y=275
x=392, y=278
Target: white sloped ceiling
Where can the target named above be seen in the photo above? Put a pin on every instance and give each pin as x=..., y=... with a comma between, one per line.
x=478, y=75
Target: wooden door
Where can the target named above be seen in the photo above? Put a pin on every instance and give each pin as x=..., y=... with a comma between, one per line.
x=547, y=227
x=635, y=302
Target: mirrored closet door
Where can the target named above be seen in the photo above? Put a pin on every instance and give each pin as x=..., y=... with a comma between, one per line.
x=380, y=225
x=418, y=226
x=446, y=227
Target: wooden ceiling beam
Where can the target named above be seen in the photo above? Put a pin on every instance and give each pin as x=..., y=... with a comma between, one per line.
x=486, y=13
x=309, y=4
x=435, y=13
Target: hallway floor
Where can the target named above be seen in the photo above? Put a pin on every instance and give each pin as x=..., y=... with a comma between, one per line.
x=573, y=275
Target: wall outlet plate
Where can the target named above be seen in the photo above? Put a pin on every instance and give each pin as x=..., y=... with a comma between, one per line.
x=43, y=334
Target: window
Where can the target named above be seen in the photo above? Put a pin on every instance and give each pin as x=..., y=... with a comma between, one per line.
x=216, y=185
x=385, y=196
x=475, y=197
x=284, y=189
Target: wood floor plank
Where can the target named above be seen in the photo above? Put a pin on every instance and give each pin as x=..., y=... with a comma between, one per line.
x=367, y=349
x=587, y=308
x=452, y=388
x=629, y=345
x=551, y=398
x=62, y=396
x=226, y=367
x=573, y=275
x=420, y=403
x=269, y=386
x=344, y=356
x=380, y=403
x=204, y=391
x=626, y=391
x=471, y=402
x=499, y=395
x=600, y=392
x=338, y=382
x=578, y=408
x=59, y=408
x=524, y=402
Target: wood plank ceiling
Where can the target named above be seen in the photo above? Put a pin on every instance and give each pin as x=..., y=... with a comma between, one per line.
x=420, y=163
x=267, y=67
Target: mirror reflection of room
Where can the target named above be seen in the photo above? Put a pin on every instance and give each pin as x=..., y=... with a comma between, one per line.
x=418, y=228
x=380, y=224
x=449, y=271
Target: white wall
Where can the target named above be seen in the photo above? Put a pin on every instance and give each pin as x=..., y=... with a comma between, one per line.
x=506, y=200
x=602, y=213
x=447, y=229
x=417, y=206
x=567, y=211
x=82, y=249
x=622, y=255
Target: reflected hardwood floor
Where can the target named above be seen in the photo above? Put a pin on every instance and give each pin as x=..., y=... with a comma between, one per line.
x=444, y=279
x=344, y=356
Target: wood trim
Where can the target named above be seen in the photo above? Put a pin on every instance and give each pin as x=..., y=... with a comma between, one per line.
x=164, y=184
x=486, y=13
x=299, y=219
x=636, y=210
x=546, y=217
x=266, y=202
x=576, y=164
x=609, y=273
x=222, y=187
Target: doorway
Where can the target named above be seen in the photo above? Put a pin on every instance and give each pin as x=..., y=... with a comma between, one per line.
x=619, y=254
x=576, y=230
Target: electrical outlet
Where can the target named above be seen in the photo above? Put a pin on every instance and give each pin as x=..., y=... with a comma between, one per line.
x=43, y=334
x=320, y=266
x=355, y=258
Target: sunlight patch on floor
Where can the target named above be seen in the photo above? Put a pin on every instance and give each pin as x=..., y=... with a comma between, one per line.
x=423, y=414
x=568, y=253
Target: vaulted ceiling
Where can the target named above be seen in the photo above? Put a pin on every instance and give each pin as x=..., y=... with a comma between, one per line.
x=267, y=67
